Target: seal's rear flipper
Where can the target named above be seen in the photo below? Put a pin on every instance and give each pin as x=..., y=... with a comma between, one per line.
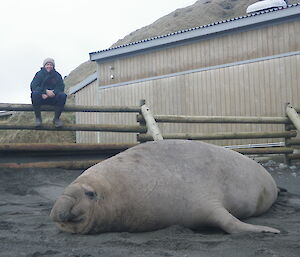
x=230, y=224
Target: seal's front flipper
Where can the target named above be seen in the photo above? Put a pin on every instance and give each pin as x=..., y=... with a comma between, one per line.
x=230, y=224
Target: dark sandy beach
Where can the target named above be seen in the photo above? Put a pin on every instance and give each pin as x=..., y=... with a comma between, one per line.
x=27, y=196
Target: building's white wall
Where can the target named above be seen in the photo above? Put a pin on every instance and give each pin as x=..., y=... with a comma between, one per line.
x=87, y=96
x=255, y=89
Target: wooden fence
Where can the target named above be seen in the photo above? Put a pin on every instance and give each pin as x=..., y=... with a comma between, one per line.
x=147, y=128
x=291, y=124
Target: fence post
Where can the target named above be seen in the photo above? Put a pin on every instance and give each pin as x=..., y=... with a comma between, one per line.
x=293, y=116
x=286, y=139
x=141, y=122
x=286, y=143
x=150, y=122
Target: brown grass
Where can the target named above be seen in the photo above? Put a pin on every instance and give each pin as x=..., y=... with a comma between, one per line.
x=37, y=136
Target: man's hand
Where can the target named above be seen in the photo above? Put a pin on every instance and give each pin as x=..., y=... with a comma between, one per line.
x=50, y=93
x=44, y=96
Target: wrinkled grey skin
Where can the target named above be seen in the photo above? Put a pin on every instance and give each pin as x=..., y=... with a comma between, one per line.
x=158, y=184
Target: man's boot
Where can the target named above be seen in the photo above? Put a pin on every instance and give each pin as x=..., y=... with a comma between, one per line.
x=38, y=115
x=56, y=121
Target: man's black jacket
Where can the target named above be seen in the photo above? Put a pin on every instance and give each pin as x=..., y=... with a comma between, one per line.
x=44, y=80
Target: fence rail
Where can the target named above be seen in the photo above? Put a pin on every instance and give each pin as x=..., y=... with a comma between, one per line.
x=147, y=128
x=5, y=113
x=217, y=119
x=291, y=123
x=290, y=142
x=70, y=147
x=70, y=108
x=222, y=136
x=79, y=127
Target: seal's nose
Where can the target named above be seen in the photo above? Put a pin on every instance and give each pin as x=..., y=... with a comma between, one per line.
x=61, y=211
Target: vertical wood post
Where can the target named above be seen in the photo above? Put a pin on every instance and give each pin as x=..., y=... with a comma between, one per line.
x=286, y=143
x=292, y=114
x=286, y=139
x=150, y=122
x=140, y=121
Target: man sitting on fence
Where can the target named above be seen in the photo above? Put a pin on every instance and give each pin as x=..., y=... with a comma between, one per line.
x=47, y=88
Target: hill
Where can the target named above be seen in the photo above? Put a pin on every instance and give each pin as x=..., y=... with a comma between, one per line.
x=200, y=13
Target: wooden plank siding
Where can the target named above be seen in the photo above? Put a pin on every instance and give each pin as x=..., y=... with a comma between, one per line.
x=254, y=89
x=267, y=41
x=87, y=96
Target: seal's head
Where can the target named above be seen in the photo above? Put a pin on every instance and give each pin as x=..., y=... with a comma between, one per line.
x=77, y=209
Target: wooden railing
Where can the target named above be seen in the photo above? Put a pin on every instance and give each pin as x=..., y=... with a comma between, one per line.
x=75, y=127
x=291, y=124
x=147, y=128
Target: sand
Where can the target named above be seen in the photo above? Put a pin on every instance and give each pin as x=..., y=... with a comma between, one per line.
x=27, y=196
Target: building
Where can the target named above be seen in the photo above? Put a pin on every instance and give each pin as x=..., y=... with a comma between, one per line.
x=245, y=66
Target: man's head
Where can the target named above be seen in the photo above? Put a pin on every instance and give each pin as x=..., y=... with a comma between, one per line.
x=49, y=64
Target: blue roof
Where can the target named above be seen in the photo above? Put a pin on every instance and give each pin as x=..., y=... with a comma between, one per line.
x=182, y=36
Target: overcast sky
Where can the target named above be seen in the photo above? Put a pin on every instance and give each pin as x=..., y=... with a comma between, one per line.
x=66, y=30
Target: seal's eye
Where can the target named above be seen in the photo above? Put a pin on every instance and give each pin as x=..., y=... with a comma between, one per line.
x=90, y=194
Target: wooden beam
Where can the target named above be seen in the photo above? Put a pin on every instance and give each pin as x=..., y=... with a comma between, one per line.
x=5, y=114
x=42, y=147
x=217, y=119
x=77, y=127
x=72, y=165
x=295, y=141
x=222, y=136
x=294, y=156
x=70, y=108
x=266, y=150
x=293, y=115
x=151, y=124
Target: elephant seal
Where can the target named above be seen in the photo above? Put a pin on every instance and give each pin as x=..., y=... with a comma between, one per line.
x=158, y=184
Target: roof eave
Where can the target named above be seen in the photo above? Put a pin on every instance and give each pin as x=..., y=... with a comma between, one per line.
x=88, y=80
